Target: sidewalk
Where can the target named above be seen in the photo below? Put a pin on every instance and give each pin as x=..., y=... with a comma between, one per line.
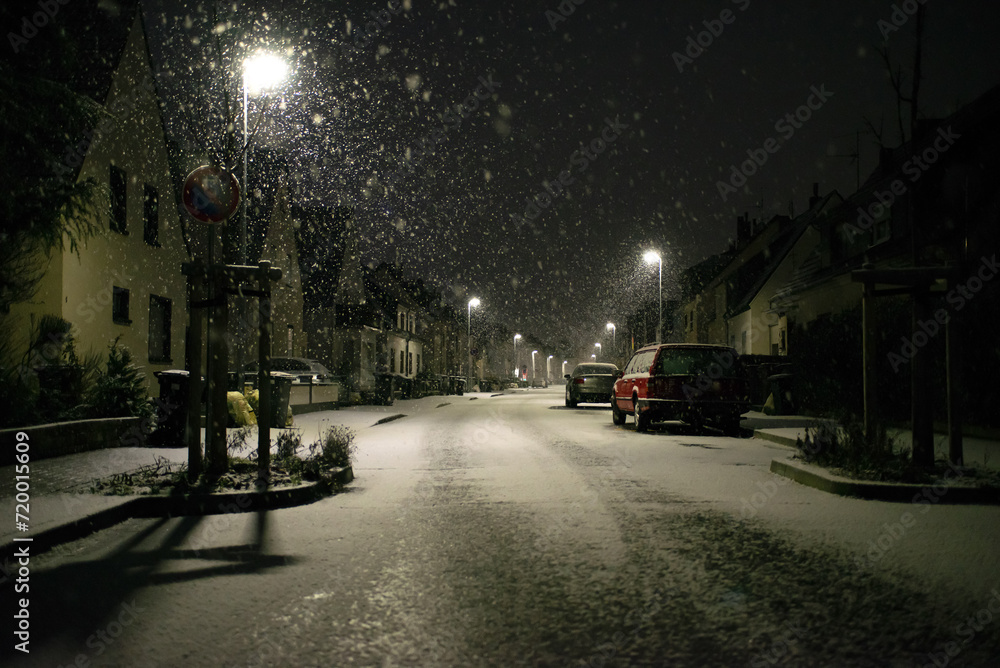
x=59, y=486
x=785, y=429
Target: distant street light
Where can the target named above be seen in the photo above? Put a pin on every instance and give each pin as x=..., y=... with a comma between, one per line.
x=533, y=353
x=611, y=326
x=472, y=302
x=548, y=370
x=650, y=257
x=517, y=371
x=594, y=356
x=564, y=367
x=598, y=346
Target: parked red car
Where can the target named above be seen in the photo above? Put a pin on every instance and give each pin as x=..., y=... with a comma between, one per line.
x=692, y=382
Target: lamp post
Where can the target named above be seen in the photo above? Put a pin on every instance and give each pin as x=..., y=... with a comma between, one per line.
x=614, y=347
x=564, y=367
x=548, y=370
x=517, y=373
x=533, y=353
x=260, y=72
x=650, y=257
x=472, y=302
x=598, y=346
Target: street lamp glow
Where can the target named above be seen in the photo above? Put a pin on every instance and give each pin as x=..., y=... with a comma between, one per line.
x=611, y=327
x=262, y=71
x=650, y=257
x=598, y=346
x=564, y=367
x=533, y=353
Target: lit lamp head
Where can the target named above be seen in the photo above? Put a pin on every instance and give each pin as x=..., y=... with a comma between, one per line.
x=474, y=302
x=262, y=71
x=652, y=257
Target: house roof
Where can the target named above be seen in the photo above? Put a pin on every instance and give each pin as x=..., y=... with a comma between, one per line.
x=321, y=246
x=784, y=245
x=80, y=46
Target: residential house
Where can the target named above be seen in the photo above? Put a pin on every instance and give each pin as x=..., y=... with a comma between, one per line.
x=125, y=283
x=761, y=302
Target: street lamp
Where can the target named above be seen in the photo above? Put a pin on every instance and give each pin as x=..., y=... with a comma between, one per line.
x=260, y=72
x=533, y=353
x=472, y=302
x=548, y=370
x=650, y=257
x=564, y=367
x=517, y=374
x=611, y=326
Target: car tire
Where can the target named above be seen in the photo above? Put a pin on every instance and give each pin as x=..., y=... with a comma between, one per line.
x=570, y=403
x=617, y=416
x=641, y=418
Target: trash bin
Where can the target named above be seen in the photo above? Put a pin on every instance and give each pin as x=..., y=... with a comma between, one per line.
x=459, y=385
x=171, y=409
x=781, y=392
x=383, y=389
x=281, y=388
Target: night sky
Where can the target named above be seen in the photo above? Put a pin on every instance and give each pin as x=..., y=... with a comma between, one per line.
x=353, y=114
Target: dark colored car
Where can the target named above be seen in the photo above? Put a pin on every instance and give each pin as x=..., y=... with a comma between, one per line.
x=694, y=383
x=306, y=371
x=590, y=382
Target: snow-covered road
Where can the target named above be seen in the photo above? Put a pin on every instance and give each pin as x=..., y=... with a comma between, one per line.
x=509, y=530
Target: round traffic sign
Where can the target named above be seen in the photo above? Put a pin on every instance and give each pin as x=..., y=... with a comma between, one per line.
x=211, y=194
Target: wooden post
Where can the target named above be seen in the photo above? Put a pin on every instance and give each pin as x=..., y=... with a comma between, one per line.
x=216, y=453
x=954, y=365
x=869, y=363
x=192, y=430
x=264, y=376
x=920, y=397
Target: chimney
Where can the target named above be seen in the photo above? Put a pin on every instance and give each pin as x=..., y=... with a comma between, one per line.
x=815, y=196
x=742, y=231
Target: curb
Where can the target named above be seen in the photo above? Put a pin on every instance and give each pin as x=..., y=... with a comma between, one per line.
x=774, y=438
x=812, y=476
x=175, y=506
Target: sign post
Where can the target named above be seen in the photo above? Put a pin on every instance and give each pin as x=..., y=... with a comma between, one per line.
x=211, y=195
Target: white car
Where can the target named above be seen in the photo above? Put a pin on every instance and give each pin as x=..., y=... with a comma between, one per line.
x=306, y=371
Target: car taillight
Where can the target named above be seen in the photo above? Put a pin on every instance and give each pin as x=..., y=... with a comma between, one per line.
x=578, y=381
